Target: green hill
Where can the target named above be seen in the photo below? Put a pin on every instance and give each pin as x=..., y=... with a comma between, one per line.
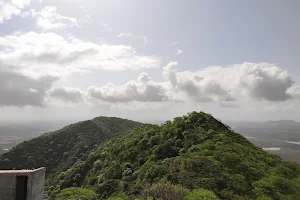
x=192, y=157
x=59, y=150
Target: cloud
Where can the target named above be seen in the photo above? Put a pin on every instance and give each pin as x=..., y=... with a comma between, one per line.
x=104, y=27
x=259, y=81
x=194, y=86
x=142, y=90
x=86, y=15
x=33, y=90
x=144, y=39
x=174, y=43
x=48, y=18
x=294, y=91
x=225, y=85
x=125, y=35
x=36, y=54
x=8, y=8
x=169, y=72
x=19, y=90
x=179, y=51
x=177, y=88
x=69, y=95
x=264, y=81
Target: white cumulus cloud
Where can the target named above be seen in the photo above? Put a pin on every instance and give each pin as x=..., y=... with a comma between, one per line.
x=35, y=54
x=264, y=81
x=294, y=91
x=223, y=84
x=259, y=81
x=48, y=18
x=143, y=90
x=195, y=86
x=179, y=51
x=8, y=8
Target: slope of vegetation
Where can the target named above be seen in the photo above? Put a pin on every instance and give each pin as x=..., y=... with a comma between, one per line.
x=76, y=194
x=59, y=150
x=192, y=157
x=2, y=151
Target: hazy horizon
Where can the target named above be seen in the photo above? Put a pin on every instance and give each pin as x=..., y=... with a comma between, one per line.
x=71, y=121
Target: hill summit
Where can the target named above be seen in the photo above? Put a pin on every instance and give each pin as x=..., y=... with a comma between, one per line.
x=192, y=157
x=59, y=150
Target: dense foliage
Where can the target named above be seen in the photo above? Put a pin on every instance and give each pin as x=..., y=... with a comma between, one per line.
x=76, y=194
x=201, y=194
x=191, y=157
x=59, y=150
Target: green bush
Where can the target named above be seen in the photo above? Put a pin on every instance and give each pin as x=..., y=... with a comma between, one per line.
x=120, y=196
x=76, y=194
x=201, y=194
x=166, y=191
x=116, y=198
x=107, y=188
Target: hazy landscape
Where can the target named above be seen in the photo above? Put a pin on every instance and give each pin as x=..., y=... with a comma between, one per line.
x=13, y=133
x=189, y=157
x=278, y=137
x=151, y=100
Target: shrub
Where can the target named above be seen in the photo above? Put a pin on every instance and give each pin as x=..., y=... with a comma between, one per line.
x=166, y=191
x=76, y=194
x=120, y=196
x=201, y=194
x=107, y=188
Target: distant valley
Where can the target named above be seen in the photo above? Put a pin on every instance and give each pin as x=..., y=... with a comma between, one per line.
x=278, y=137
x=13, y=133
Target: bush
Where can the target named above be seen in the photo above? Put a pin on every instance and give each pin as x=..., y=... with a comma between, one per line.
x=115, y=198
x=201, y=194
x=120, y=196
x=107, y=188
x=76, y=194
x=166, y=191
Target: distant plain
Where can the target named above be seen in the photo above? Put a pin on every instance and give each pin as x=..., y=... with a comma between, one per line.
x=278, y=137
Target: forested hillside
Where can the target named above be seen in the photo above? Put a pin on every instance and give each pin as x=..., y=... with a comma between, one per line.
x=59, y=150
x=2, y=151
x=192, y=157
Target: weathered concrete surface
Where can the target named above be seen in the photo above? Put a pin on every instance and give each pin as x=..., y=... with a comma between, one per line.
x=7, y=186
x=35, y=183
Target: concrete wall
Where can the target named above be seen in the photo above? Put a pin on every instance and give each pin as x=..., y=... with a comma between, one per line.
x=35, y=184
x=7, y=186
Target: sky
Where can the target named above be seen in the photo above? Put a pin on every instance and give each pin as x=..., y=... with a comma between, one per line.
x=149, y=60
